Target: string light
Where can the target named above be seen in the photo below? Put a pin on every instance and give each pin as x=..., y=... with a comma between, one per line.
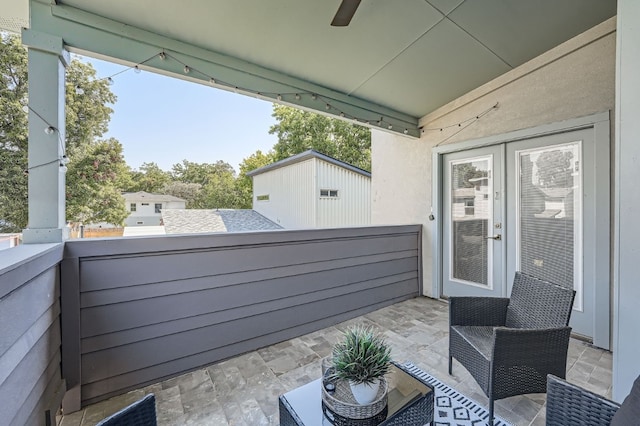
x=49, y=130
x=329, y=106
x=464, y=122
x=79, y=90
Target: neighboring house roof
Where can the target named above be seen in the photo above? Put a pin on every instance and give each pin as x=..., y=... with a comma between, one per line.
x=306, y=156
x=190, y=221
x=146, y=196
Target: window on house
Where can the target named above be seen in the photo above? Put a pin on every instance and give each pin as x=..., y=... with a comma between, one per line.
x=158, y=207
x=329, y=193
x=132, y=207
x=263, y=197
x=469, y=207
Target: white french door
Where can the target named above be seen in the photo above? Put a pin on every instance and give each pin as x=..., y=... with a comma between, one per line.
x=472, y=234
x=528, y=206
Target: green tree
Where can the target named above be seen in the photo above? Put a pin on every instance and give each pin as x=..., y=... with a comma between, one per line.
x=149, y=178
x=92, y=191
x=187, y=191
x=299, y=131
x=191, y=172
x=13, y=135
x=219, y=192
x=87, y=116
x=244, y=184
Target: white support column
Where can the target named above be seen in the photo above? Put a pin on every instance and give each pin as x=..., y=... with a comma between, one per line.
x=47, y=62
x=626, y=345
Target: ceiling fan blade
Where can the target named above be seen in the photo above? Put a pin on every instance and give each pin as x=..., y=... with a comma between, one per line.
x=345, y=12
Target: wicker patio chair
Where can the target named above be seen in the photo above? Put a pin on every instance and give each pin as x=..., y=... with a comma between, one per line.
x=571, y=405
x=509, y=345
x=140, y=413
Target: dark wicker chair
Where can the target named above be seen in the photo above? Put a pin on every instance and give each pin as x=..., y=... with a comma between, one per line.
x=140, y=413
x=509, y=345
x=570, y=405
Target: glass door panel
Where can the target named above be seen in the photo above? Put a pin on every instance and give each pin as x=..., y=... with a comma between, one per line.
x=472, y=228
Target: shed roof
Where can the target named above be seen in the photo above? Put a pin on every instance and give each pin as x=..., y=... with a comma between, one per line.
x=306, y=155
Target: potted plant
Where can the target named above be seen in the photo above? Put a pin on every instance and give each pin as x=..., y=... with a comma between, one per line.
x=362, y=358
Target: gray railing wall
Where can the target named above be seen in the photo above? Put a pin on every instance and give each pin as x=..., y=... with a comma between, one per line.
x=138, y=310
x=31, y=384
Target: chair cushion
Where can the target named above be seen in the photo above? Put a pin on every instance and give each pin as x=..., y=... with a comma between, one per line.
x=480, y=337
x=629, y=411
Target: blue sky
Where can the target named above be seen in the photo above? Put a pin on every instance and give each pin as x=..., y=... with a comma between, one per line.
x=165, y=120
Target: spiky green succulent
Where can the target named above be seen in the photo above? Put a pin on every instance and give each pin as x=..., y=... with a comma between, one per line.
x=362, y=356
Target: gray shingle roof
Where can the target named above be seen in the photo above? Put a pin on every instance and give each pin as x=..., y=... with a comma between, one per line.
x=183, y=221
x=146, y=196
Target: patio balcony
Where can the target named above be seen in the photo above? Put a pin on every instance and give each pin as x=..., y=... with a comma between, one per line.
x=219, y=325
x=244, y=390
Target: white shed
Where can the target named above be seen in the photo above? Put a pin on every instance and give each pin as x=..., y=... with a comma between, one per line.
x=146, y=208
x=312, y=190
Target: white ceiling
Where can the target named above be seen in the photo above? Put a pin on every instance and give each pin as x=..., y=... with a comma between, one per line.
x=412, y=56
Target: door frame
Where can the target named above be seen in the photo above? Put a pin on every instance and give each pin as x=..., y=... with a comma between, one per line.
x=601, y=269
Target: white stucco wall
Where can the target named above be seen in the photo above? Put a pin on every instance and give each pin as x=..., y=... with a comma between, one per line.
x=572, y=80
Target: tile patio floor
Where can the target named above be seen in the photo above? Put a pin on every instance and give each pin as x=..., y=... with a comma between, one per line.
x=244, y=390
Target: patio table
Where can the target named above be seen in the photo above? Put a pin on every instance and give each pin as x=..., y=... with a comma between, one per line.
x=410, y=403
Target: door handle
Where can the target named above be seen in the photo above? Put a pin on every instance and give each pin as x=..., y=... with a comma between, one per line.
x=495, y=237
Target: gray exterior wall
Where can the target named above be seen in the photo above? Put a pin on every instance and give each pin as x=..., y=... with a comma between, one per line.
x=139, y=310
x=30, y=377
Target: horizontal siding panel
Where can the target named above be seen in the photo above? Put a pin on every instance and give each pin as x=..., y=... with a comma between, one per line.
x=153, y=308
x=166, y=308
x=130, y=293
x=45, y=395
x=136, y=270
x=39, y=294
x=119, y=247
x=202, y=340
x=110, y=340
x=26, y=378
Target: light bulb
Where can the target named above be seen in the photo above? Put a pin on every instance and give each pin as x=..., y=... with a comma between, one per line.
x=63, y=168
x=64, y=160
x=49, y=130
x=406, y=131
x=327, y=107
x=390, y=127
x=187, y=70
x=279, y=97
x=79, y=90
x=136, y=69
x=109, y=81
x=342, y=114
x=212, y=81
x=297, y=97
x=314, y=97
x=163, y=56
x=25, y=108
